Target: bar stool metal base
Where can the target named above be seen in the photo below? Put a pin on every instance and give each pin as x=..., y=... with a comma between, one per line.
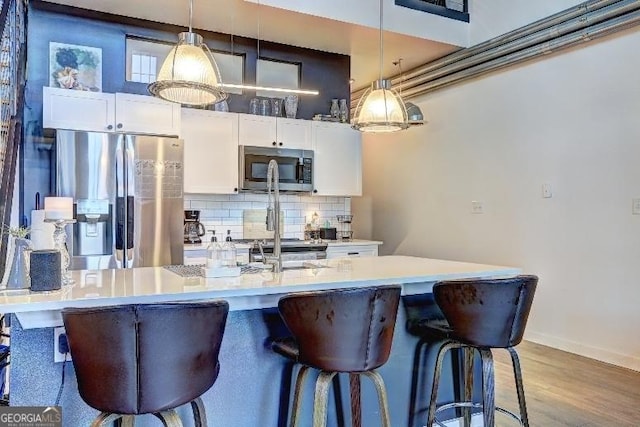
x=470, y=405
x=488, y=386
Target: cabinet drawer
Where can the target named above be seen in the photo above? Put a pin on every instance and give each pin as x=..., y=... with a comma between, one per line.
x=352, y=251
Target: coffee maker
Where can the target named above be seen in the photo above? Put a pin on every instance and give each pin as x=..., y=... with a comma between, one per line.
x=193, y=228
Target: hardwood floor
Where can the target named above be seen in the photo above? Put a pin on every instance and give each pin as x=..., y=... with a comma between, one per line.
x=563, y=389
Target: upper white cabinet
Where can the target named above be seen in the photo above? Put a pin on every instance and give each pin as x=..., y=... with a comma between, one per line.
x=108, y=112
x=210, y=151
x=78, y=110
x=146, y=114
x=337, y=159
x=266, y=131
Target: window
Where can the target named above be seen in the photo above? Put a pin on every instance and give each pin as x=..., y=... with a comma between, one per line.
x=143, y=68
x=454, y=9
x=276, y=74
x=145, y=57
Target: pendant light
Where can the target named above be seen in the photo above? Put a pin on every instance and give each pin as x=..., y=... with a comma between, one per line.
x=189, y=74
x=380, y=109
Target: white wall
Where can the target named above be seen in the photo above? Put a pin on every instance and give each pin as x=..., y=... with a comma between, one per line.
x=491, y=18
x=396, y=18
x=570, y=120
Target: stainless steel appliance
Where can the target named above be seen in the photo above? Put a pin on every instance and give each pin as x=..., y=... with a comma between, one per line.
x=295, y=168
x=128, y=199
x=292, y=250
x=193, y=228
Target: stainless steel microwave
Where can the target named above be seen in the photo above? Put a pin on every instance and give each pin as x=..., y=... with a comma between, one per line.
x=295, y=168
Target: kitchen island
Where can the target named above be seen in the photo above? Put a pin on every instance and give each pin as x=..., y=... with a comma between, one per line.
x=247, y=391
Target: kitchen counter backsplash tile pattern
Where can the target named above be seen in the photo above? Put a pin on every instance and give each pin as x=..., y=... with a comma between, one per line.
x=225, y=212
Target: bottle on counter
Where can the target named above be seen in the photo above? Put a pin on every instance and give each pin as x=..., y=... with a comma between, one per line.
x=214, y=238
x=228, y=238
x=214, y=254
x=229, y=254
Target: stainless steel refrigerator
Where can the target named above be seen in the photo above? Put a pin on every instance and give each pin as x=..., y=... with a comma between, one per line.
x=128, y=199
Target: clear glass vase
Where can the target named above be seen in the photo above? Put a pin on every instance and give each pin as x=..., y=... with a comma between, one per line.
x=19, y=273
x=335, y=109
x=291, y=106
x=344, y=111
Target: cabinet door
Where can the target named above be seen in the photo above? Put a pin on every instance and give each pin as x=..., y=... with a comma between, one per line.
x=146, y=114
x=255, y=130
x=210, y=151
x=77, y=110
x=294, y=133
x=337, y=160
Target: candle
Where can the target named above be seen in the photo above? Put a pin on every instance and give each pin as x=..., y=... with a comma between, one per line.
x=58, y=207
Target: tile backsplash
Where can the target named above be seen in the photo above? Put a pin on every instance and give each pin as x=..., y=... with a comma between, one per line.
x=225, y=212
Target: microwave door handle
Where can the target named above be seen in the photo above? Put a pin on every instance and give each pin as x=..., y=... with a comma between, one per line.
x=300, y=172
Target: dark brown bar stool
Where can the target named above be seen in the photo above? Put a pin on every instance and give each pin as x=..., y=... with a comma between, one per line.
x=347, y=330
x=482, y=314
x=146, y=359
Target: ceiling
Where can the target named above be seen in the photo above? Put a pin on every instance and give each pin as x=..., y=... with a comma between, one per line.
x=248, y=19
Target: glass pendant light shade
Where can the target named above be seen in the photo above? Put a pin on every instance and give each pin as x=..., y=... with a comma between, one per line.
x=380, y=109
x=189, y=74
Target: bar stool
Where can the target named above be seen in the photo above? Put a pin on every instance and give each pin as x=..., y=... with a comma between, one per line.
x=146, y=359
x=482, y=314
x=347, y=330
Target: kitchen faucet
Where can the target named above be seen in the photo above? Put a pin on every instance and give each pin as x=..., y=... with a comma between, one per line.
x=273, y=216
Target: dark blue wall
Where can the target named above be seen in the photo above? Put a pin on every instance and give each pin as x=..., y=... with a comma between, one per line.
x=327, y=72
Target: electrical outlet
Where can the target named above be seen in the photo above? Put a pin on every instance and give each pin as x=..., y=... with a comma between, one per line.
x=58, y=356
x=635, y=206
x=477, y=207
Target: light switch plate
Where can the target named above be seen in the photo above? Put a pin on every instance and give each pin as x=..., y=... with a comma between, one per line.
x=546, y=191
x=477, y=207
x=635, y=206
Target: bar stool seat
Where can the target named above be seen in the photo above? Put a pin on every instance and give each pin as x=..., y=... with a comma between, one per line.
x=482, y=314
x=346, y=330
x=146, y=359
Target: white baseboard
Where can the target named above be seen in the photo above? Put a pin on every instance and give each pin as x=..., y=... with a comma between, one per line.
x=604, y=355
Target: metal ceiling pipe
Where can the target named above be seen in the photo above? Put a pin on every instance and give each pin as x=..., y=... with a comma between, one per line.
x=594, y=32
x=522, y=32
x=534, y=27
x=559, y=30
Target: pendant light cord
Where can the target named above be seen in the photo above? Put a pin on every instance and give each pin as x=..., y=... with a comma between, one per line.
x=258, y=47
x=190, y=15
x=381, y=44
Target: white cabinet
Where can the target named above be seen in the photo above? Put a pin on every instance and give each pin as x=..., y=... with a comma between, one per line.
x=210, y=151
x=146, y=114
x=266, y=131
x=78, y=110
x=337, y=159
x=342, y=251
x=109, y=112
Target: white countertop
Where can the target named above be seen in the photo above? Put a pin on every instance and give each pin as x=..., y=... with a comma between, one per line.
x=330, y=243
x=248, y=291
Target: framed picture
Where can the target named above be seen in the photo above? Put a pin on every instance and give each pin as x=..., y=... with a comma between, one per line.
x=75, y=67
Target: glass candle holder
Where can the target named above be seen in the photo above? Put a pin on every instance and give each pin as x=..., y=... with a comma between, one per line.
x=60, y=243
